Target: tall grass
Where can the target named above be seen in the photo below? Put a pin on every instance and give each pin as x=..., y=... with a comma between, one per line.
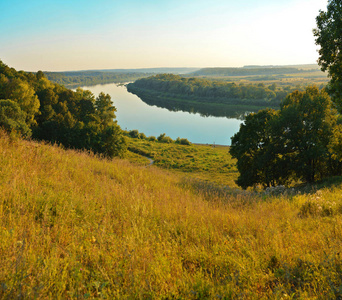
x=76, y=226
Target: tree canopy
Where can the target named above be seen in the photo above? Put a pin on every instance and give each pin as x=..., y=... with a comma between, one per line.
x=299, y=142
x=213, y=91
x=33, y=105
x=328, y=36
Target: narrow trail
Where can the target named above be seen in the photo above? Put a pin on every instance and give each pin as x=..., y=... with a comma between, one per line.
x=150, y=160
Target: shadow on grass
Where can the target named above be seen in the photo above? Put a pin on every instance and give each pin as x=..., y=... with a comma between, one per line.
x=311, y=188
x=214, y=192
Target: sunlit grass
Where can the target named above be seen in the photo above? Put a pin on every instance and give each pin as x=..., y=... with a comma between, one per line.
x=206, y=162
x=75, y=226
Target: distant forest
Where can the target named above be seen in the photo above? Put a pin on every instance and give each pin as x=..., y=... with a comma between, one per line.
x=214, y=95
x=73, y=79
x=87, y=78
x=255, y=70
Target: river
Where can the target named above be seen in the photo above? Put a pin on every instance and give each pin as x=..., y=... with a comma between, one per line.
x=133, y=113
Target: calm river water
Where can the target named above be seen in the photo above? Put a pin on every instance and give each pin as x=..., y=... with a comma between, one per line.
x=133, y=113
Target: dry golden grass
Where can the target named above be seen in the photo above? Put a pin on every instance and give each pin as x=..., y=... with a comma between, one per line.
x=75, y=226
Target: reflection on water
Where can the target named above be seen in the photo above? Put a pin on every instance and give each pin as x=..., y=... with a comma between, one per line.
x=133, y=113
x=202, y=108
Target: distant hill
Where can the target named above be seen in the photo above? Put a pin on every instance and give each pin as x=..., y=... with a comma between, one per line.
x=74, y=79
x=256, y=70
x=92, y=77
x=139, y=70
x=300, y=67
x=154, y=70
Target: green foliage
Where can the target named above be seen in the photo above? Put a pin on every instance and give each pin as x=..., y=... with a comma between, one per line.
x=152, y=138
x=329, y=38
x=12, y=118
x=208, y=91
x=142, y=136
x=162, y=138
x=87, y=78
x=295, y=143
x=105, y=111
x=134, y=133
x=57, y=114
x=252, y=146
x=182, y=141
x=306, y=128
x=111, y=142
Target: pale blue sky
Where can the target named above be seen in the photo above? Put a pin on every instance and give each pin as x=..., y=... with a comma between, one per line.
x=106, y=34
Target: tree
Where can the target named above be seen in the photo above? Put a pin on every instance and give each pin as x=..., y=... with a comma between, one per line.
x=112, y=141
x=12, y=118
x=329, y=37
x=307, y=123
x=105, y=109
x=22, y=93
x=252, y=147
x=299, y=142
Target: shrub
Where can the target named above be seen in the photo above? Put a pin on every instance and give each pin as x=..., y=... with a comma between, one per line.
x=134, y=134
x=164, y=139
x=142, y=136
x=182, y=141
x=152, y=138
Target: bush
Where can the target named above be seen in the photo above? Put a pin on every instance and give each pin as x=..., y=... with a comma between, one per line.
x=164, y=139
x=134, y=134
x=142, y=136
x=152, y=138
x=182, y=141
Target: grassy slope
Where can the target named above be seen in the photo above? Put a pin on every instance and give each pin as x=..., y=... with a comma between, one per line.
x=72, y=225
x=203, y=162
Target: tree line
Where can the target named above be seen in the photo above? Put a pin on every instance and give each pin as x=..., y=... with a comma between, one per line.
x=87, y=78
x=212, y=91
x=33, y=106
x=248, y=71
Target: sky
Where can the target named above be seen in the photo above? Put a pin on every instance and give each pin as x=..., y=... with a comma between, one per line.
x=62, y=35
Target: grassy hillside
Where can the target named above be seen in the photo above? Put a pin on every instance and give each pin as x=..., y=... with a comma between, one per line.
x=74, y=226
x=205, y=162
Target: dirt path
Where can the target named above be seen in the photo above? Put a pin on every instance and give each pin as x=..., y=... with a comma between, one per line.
x=150, y=160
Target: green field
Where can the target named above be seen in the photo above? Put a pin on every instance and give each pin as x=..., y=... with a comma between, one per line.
x=206, y=162
x=300, y=80
x=73, y=225
x=302, y=76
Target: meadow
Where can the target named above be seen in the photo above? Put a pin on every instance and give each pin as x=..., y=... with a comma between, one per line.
x=205, y=162
x=296, y=79
x=74, y=225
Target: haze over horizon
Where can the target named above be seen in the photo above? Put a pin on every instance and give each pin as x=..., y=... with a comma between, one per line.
x=81, y=35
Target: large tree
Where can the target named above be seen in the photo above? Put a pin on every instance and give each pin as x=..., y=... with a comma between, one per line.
x=299, y=142
x=305, y=130
x=329, y=37
x=253, y=148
